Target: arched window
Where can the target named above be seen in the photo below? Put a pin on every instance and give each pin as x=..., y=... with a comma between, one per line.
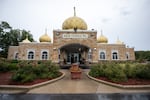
x=30, y=55
x=89, y=55
x=115, y=55
x=127, y=55
x=44, y=55
x=102, y=55
x=16, y=55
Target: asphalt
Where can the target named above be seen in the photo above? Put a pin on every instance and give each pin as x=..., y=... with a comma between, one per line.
x=83, y=85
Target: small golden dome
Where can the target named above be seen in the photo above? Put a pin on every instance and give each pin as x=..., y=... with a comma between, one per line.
x=118, y=41
x=26, y=40
x=74, y=22
x=45, y=38
x=102, y=39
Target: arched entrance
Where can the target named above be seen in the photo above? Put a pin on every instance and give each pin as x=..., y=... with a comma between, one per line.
x=74, y=53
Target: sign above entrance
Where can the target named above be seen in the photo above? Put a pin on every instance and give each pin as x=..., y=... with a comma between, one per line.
x=83, y=36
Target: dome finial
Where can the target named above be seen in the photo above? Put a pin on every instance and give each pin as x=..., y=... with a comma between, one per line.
x=26, y=40
x=118, y=41
x=102, y=38
x=45, y=37
x=74, y=11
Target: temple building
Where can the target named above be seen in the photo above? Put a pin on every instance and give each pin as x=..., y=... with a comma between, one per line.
x=74, y=43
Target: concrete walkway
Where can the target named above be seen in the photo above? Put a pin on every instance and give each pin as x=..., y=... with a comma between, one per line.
x=83, y=85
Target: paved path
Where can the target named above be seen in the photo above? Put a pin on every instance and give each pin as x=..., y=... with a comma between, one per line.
x=83, y=85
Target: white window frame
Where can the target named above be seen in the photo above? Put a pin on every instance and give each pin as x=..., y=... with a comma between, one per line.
x=100, y=51
x=42, y=54
x=90, y=55
x=127, y=55
x=33, y=54
x=112, y=54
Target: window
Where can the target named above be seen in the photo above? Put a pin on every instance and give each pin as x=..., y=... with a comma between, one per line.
x=115, y=55
x=90, y=55
x=102, y=55
x=127, y=55
x=44, y=55
x=30, y=55
x=16, y=55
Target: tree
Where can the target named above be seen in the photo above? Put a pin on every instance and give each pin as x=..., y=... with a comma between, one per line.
x=11, y=37
x=142, y=55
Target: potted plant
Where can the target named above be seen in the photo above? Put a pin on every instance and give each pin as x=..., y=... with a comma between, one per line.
x=75, y=71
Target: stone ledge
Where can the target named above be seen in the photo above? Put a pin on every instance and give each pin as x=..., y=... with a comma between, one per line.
x=24, y=89
x=119, y=85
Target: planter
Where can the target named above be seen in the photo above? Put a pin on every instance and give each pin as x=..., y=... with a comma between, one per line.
x=76, y=75
x=75, y=71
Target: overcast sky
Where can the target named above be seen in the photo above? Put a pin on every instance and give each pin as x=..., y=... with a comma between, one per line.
x=127, y=19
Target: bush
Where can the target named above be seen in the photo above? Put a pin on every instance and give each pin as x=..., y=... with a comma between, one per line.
x=130, y=70
x=112, y=71
x=96, y=71
x=121, y=72
x=24, y=74
x=115, y=73
x=28, y=71
x=143, y=71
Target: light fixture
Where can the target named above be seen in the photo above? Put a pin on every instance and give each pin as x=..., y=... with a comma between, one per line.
x=94, y=48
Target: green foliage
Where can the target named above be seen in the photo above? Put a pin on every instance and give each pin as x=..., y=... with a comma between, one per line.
x=112, y=71
x=11, y=37
x=142, y=56
x=30, y=70
x=130, y=70
x=24, y=74
x=143, y=71
x=98, y=70
x=121, y=72
x=6, y=66
x=115, y=73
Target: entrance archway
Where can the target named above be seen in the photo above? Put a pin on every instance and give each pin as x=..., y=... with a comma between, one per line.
x=74, y=53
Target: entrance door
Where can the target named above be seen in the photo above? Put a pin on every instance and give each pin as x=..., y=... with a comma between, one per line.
x=73, y=53
x=73, y=58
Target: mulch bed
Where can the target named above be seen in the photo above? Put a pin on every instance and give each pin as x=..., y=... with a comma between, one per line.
x=5, y=79
x=129, y=82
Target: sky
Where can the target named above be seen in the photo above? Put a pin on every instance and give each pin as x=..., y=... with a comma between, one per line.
x=128, y=20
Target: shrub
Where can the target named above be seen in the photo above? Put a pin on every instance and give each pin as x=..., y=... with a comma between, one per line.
x=115, y=73
x=24, y=74
x=112, y=71
x=95, y=71
x=28, y=71
x=143, y=71
x=130, y=70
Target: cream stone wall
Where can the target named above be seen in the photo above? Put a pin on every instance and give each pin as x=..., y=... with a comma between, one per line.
x=59, y=41
x=24, y=48
x=120, y=48
x=12, y=52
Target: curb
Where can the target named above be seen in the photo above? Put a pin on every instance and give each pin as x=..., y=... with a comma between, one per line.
x=24, y=89
x=119, y=85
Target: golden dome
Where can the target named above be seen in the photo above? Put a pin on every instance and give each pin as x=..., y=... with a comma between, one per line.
x=118, y=41
x=102, y=39
x=74, y=22
x=26, y=40
x=45, y=38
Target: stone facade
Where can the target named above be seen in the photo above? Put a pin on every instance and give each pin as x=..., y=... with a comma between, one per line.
x=79, y=43
x=73, y=44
